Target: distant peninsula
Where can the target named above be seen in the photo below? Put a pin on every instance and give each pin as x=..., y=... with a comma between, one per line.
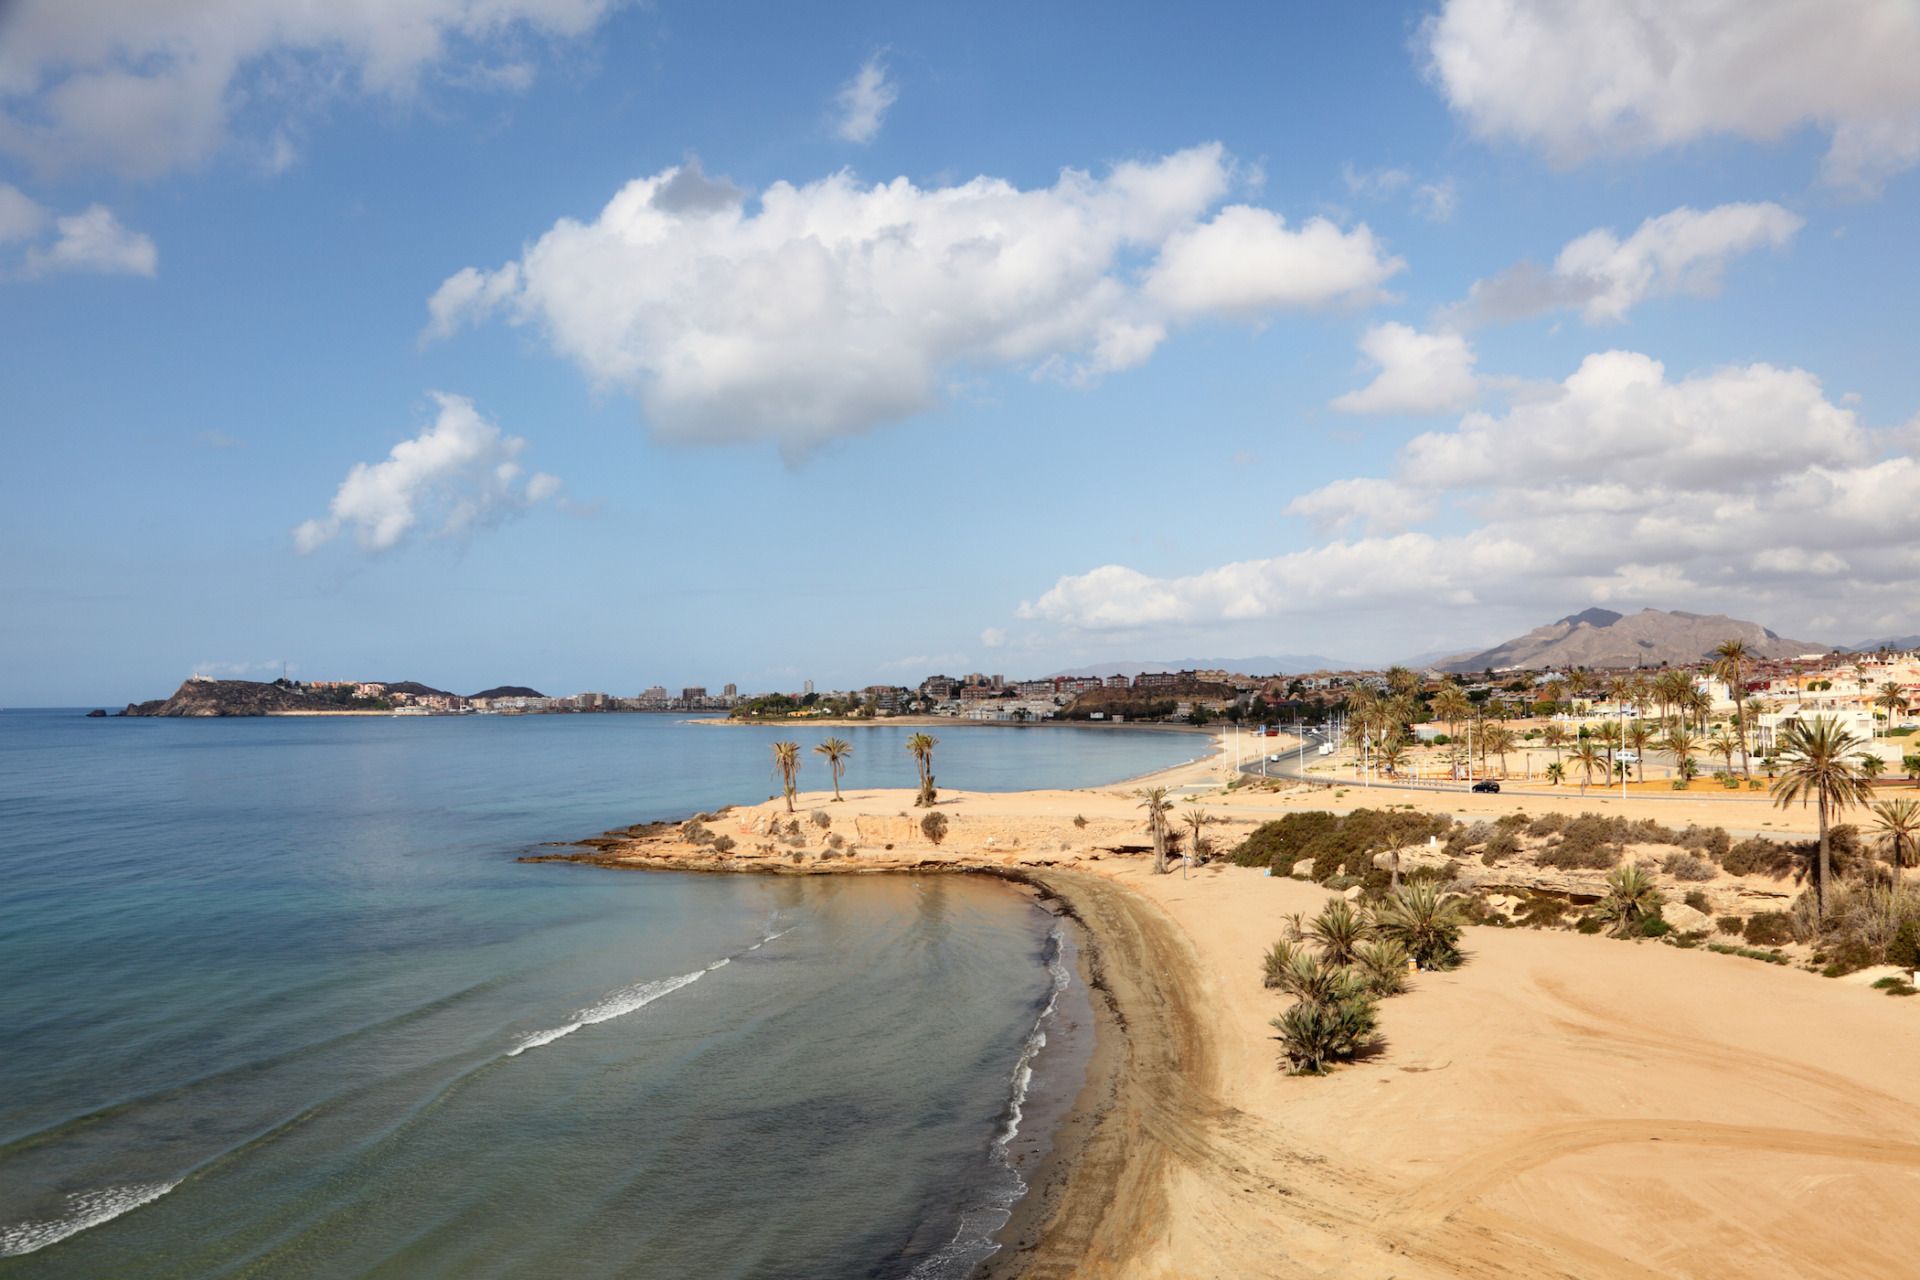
x=202, y=696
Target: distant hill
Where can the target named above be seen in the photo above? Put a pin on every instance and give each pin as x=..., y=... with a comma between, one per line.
x=1603, y=638
x=1285, y=664
x=232, y=698
x=1891, y=642
x=508, y=691
x=415, y=688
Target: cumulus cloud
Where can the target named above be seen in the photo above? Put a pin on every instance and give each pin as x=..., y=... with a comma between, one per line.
x=823, y=310
x=21, y=218
x=1734, y=487
x=142, y=89
x=1605, y=277
x=94, y=240
x=1577, y=77
x=1419, y=372
x=460, y=474
x=863, y=102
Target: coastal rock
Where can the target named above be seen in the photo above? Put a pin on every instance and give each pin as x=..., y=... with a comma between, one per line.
x=1685, y=919
x=1304, y=867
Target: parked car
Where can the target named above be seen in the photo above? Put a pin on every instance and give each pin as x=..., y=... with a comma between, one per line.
x=1274, y=758
x=1486, y=784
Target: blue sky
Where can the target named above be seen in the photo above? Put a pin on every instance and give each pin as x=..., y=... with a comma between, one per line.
x=475, y=343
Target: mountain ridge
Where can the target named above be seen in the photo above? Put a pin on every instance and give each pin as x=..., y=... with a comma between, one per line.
x=1652, y=637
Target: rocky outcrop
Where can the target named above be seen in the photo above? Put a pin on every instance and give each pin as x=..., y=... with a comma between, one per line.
x=231, y=698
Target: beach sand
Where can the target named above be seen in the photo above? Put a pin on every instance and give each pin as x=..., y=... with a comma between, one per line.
x=1562, y=1105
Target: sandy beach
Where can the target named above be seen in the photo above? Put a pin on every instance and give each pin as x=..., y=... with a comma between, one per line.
x=1562, y=1105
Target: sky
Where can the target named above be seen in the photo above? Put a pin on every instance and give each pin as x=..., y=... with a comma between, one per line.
x=591, y=345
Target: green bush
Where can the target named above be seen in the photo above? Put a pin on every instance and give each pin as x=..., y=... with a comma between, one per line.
x=1590, y=924
x=1758, y=856
x=1653, y=927
x=1542, y=912
x=934, y=827
x=1687, y=866
x=1904, y=950
x=1698, y=901
x=1729, y=924
x=1770, y=929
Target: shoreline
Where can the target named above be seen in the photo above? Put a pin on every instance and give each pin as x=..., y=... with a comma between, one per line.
x=1502, y=1130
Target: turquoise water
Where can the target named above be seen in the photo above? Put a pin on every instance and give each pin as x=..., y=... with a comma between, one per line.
x=278, y=1000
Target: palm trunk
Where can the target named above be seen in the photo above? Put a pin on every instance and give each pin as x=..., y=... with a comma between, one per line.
x=1826, y=866
x=836, y=782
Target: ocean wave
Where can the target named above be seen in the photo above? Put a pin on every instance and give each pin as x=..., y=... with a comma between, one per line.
x=84, y=1209
x=631, y=999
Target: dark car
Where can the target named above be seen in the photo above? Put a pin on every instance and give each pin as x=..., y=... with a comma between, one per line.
x=1486, y=784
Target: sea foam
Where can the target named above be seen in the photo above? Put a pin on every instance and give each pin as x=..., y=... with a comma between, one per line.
x=84, y=1209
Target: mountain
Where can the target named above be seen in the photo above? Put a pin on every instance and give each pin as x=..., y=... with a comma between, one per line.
x=1285, y=664
x=1891, y=642
x=1603, y=638
x=231, y=698
x=508, y=691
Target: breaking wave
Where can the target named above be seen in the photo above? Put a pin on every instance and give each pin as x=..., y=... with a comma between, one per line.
x=84, y=1209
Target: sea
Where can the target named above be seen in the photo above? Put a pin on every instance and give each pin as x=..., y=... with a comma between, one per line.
x=277, y=998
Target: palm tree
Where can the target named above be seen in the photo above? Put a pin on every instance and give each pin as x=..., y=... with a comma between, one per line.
x=1631, y=898
x=836, y=751
x=1555, y=772
x=1425, y=921
x=1402, y=681
x=1871, y=766
x=1900, y=819
x=1893, y=698
x=1393, y=754
x=1700, y=705
x=1639, y=737
x=1818, y=763
x=1338, y=929
x=1197, y=821
x=1730, y=665
x=1609, y=738
x=921, y=746
x=1452, y=705
x=1723, y=745
x=1554, y=736
x=1670, y=688
x=1682, y=742
x=1499, y=740
x=786, y=759
x=1556, y=691
x=1589, y=758
x=1154, y=801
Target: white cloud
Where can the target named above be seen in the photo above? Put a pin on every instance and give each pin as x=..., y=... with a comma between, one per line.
x=1576, y=77
x=993, y=637
x=458, y=475
x=1246, y=260
x=863, y=102
x=826, y=309
x=1379, y=506
x=20, y=217
x=1741, y=487
x=141, y=88
x=1374, y=184
x=94, y=240
x=1436, y=201
x=1419, y=372
x=1681, y=252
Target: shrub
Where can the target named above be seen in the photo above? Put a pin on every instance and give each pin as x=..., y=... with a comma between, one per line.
x=1275, y=964
x=821, y=820
x=1503, y=845
x=934, y=827
x=1729, y=924
x=1897, y=986
x=1652, y=927
x=1687, y=866
x=1631, y=899
x=835, y=841
x=1698, y=901
x=1382, y=966
x=796, y=840
x=1338, y=930
x=723, y=844
x=1770, y=929
x=1758, y=856
x=1711, y=842
x=1567, y=857
x=1547, y=824
x=1588, y=842
x=1589, y=924
x=1283, y=842
x=1080, y=820
x=1904, y=949
x=1542, y=912
x=1332, y=1018
x=1426, y=922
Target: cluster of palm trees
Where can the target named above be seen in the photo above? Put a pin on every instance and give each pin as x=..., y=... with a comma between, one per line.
x=837, y=751
x=1159, y=809
x=1340, y=964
